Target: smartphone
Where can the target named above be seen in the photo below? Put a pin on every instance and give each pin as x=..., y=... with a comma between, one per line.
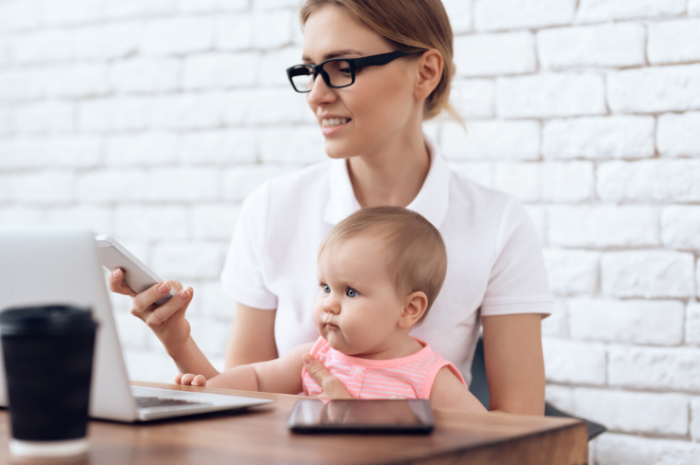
x=136, y=275
x=403, y=416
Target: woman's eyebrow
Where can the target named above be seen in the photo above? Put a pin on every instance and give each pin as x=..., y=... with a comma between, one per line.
x=336, y=54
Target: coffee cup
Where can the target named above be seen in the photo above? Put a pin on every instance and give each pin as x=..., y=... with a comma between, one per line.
x=48, y=355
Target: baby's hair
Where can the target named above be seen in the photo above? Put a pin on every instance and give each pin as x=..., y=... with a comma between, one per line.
x=417, y=259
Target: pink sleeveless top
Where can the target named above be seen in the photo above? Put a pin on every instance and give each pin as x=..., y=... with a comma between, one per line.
x=409, y=377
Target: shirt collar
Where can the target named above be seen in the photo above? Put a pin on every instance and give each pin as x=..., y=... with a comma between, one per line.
x=431, y=201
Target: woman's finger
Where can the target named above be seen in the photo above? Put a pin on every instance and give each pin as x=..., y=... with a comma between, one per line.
x=117, y=284
x=178, y=378
x=332, y=387
x=199, y=380
x=186, y=379
x=159, y=315
x=144, y=300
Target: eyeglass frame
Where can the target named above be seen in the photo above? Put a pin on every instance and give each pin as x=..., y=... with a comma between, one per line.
x=354, y=63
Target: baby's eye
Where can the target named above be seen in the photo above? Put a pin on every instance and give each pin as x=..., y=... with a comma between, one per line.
x=352, y=293
x=326, y=288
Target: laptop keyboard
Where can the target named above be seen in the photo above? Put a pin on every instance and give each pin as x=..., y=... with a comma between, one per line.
x=152, y=402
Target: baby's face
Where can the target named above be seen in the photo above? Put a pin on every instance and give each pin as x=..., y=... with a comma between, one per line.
x=357, y=308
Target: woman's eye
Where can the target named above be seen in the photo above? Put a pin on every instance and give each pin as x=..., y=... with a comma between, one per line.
x=326, y=288
x=350, y=292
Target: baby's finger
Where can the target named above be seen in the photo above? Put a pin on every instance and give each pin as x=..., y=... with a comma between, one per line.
x=186, y=379
x=332, y=387
x=117, y=284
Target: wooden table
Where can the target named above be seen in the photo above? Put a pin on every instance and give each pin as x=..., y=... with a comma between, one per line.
x=260, y=436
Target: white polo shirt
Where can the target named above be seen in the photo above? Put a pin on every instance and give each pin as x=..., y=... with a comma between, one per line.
x=495, y=264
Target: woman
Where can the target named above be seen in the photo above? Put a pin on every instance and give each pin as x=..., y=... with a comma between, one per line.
x=371, y=113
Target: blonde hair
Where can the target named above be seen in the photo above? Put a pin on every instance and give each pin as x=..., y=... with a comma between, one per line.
x=409, y=25
x=417, y=259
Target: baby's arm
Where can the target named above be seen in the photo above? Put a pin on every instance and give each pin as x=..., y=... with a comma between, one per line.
x=282, y=375
x=449, y=392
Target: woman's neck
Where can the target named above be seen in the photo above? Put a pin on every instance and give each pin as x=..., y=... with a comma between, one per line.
x=393, y=174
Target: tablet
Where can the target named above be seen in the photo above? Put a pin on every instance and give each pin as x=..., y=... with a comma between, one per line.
x=403, y=416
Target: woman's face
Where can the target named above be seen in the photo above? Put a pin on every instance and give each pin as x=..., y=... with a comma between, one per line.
x=373, y=110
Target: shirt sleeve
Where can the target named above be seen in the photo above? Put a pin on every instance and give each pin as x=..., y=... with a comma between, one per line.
x=243, y=276
x=518, y=282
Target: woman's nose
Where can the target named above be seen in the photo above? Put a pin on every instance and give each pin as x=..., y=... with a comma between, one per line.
x=320, y=93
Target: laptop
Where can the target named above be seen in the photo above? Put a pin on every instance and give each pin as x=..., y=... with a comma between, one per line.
x=55, y=265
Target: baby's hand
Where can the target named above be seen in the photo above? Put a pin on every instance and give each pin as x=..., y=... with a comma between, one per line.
x=188, y=379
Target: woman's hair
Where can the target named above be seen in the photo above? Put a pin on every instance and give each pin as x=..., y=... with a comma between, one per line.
x=409, y=25
x=416, y=255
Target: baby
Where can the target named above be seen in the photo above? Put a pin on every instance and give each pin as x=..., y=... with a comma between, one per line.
x=379, y=271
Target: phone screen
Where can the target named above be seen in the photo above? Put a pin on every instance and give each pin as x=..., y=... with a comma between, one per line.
x=362, y=416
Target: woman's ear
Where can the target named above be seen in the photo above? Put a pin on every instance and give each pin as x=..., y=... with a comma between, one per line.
x=414, y=307
x=430, y=65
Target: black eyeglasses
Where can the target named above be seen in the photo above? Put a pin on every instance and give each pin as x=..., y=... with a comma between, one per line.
x=337, y=72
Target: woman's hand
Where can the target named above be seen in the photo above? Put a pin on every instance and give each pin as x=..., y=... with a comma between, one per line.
x=166, y=321
x=332, y=387
x=188, y=379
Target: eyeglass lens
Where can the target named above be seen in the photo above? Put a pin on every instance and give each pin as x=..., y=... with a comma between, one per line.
x=339, y=74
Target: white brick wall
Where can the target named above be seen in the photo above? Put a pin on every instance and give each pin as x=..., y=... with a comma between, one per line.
x=151, y=120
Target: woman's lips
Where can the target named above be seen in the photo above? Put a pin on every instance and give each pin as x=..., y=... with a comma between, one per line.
x=329, y=131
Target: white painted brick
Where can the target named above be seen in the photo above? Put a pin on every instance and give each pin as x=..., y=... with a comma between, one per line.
x=50, y=187
x=680, y=227
x=667, y=88
x=567, y=182
x=265, y=106
x=147, y=149
x=97, y=219
x=697, y=278
x=678, y=135
x=674, y=41
x=75, y=81
x=523, y=180
x=211, y=336
x=634, y=412
x=220, y=148
x=145, y=222
x=572, y=272
x=267, y=5
x=555, y=325
x=70, y=12
x=176, y=35
x=655, y=368
x=273, y=29
x=484, y=140
x=648, y=274
x=548, y=95
x=606, y=10
x=152, y=366
x=234, y=32
x=625, y=449
x=649, y=180
x=603, y=226
x=19, y=84
x=693, y=7
x=7, y=120
x=695, y=419
x=114, y=114
x=215, y=304
x=220, y=70
x=203, y=6
x=18, y=15
x=287, y=145
x=21, y=215
x=574, y=362
x=57, y=151
x=460, y=14
x=45, y=117
x=273, y=67
x=620, y=44
x=599, y=137
x=493, y=54
x=561, y=397
x=242, y=180
x=473, y=98
x=144, y=75
x=214, y=221
x=133, y=333
x=513, y=14
x=629, y=321
x=188, y=260
x=118, y=9
x=538, y=215
x=480, y=172
x=5, y=52
x=187, y=111
x=692, y=325
x=161, y=185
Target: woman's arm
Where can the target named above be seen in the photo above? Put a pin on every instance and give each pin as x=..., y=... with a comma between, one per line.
x=449, y=392
x=514, y=363
x=252, y=337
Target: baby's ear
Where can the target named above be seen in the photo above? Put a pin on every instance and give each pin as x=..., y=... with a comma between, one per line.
x=414, y=307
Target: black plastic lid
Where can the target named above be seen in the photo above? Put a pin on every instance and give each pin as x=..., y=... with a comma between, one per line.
x=46, y=320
